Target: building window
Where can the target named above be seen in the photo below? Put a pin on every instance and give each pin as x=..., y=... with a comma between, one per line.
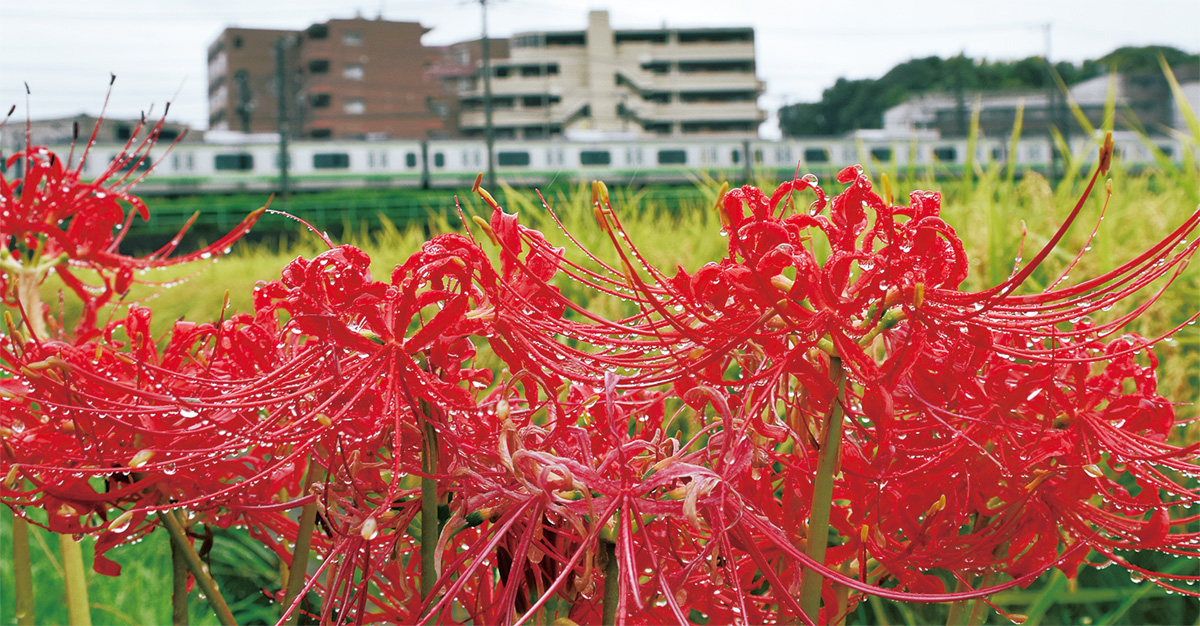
x=595, y=157
x=816, y=155
x=318, y=31
x=945, y=154
x=500, y=71
x=512, y=159
x=320, y=100
x=657, y=67
x=540, y=100
x=658, y=128
x=654, y=36
x=549, y=69
x=354, y=106
x=168, y=134
x=439, y=159
x=672, y=157
x=353, y=71
x=718, y=126
x=882, y=155
x=331, y=161
x=746, y=65
x=237, y=42
x=717, y=35
x=321, y=133
x=718, y=96
x=566, y=39
x=318, y=66
x=234, y=162
x=351, y=39
x=410, y=159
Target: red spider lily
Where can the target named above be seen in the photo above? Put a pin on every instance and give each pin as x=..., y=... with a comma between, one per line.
x=676, y=457
x=53, y=221
x=96, y=419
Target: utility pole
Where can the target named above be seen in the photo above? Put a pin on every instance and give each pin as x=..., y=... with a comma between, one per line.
x=489, y=133
x=284, y=127
x=1051, y=106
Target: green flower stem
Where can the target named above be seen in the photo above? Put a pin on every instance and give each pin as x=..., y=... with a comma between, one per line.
x=979, y=610
x=611, y=583
x=179, y=594
x=429, y=515
x=296, y=574
x=822, y=502
x=75, y=581
x=203, y=578
x=22, y=571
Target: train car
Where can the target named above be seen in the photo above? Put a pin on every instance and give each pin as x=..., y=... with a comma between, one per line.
x=251, y=163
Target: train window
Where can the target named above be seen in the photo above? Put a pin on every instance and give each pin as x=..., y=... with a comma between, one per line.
x=331, y=161
x=512, y=159
x=997, y=154
x=234, y=162
x=141, y=163
x=946, y=154
x=595, y=157
x=735, y=156
x=383, y=159
x=816, y=155
x=881, y=154
x=1168, y=151
x=410, y=159
x=439, y=159
x=672, y=157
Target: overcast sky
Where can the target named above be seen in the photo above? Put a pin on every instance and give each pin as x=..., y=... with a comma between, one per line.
x=65, y=49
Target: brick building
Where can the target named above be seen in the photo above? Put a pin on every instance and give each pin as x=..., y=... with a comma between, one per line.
x=345, y=79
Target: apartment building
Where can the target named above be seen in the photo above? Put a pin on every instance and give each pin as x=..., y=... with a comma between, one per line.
x=634, y=83
x=344, y=79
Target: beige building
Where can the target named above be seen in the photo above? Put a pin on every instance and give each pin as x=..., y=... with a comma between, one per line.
x=602, y=82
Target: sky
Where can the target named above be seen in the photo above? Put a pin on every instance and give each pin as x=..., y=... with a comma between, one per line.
x=66, y=49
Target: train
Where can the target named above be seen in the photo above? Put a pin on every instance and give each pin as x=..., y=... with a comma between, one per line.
x=251, y=163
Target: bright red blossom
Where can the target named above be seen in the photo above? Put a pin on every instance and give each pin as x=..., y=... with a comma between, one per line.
x=677, y=449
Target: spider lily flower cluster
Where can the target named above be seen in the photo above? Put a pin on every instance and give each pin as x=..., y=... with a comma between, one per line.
x=820, y=415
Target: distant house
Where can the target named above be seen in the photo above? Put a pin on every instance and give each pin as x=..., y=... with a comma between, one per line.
x=60, y=131
x=1144, y=102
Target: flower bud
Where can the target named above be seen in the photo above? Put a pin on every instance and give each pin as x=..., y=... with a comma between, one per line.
x=13, y=475
x=370, y=528
x=141, y=458
x=121, y=522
